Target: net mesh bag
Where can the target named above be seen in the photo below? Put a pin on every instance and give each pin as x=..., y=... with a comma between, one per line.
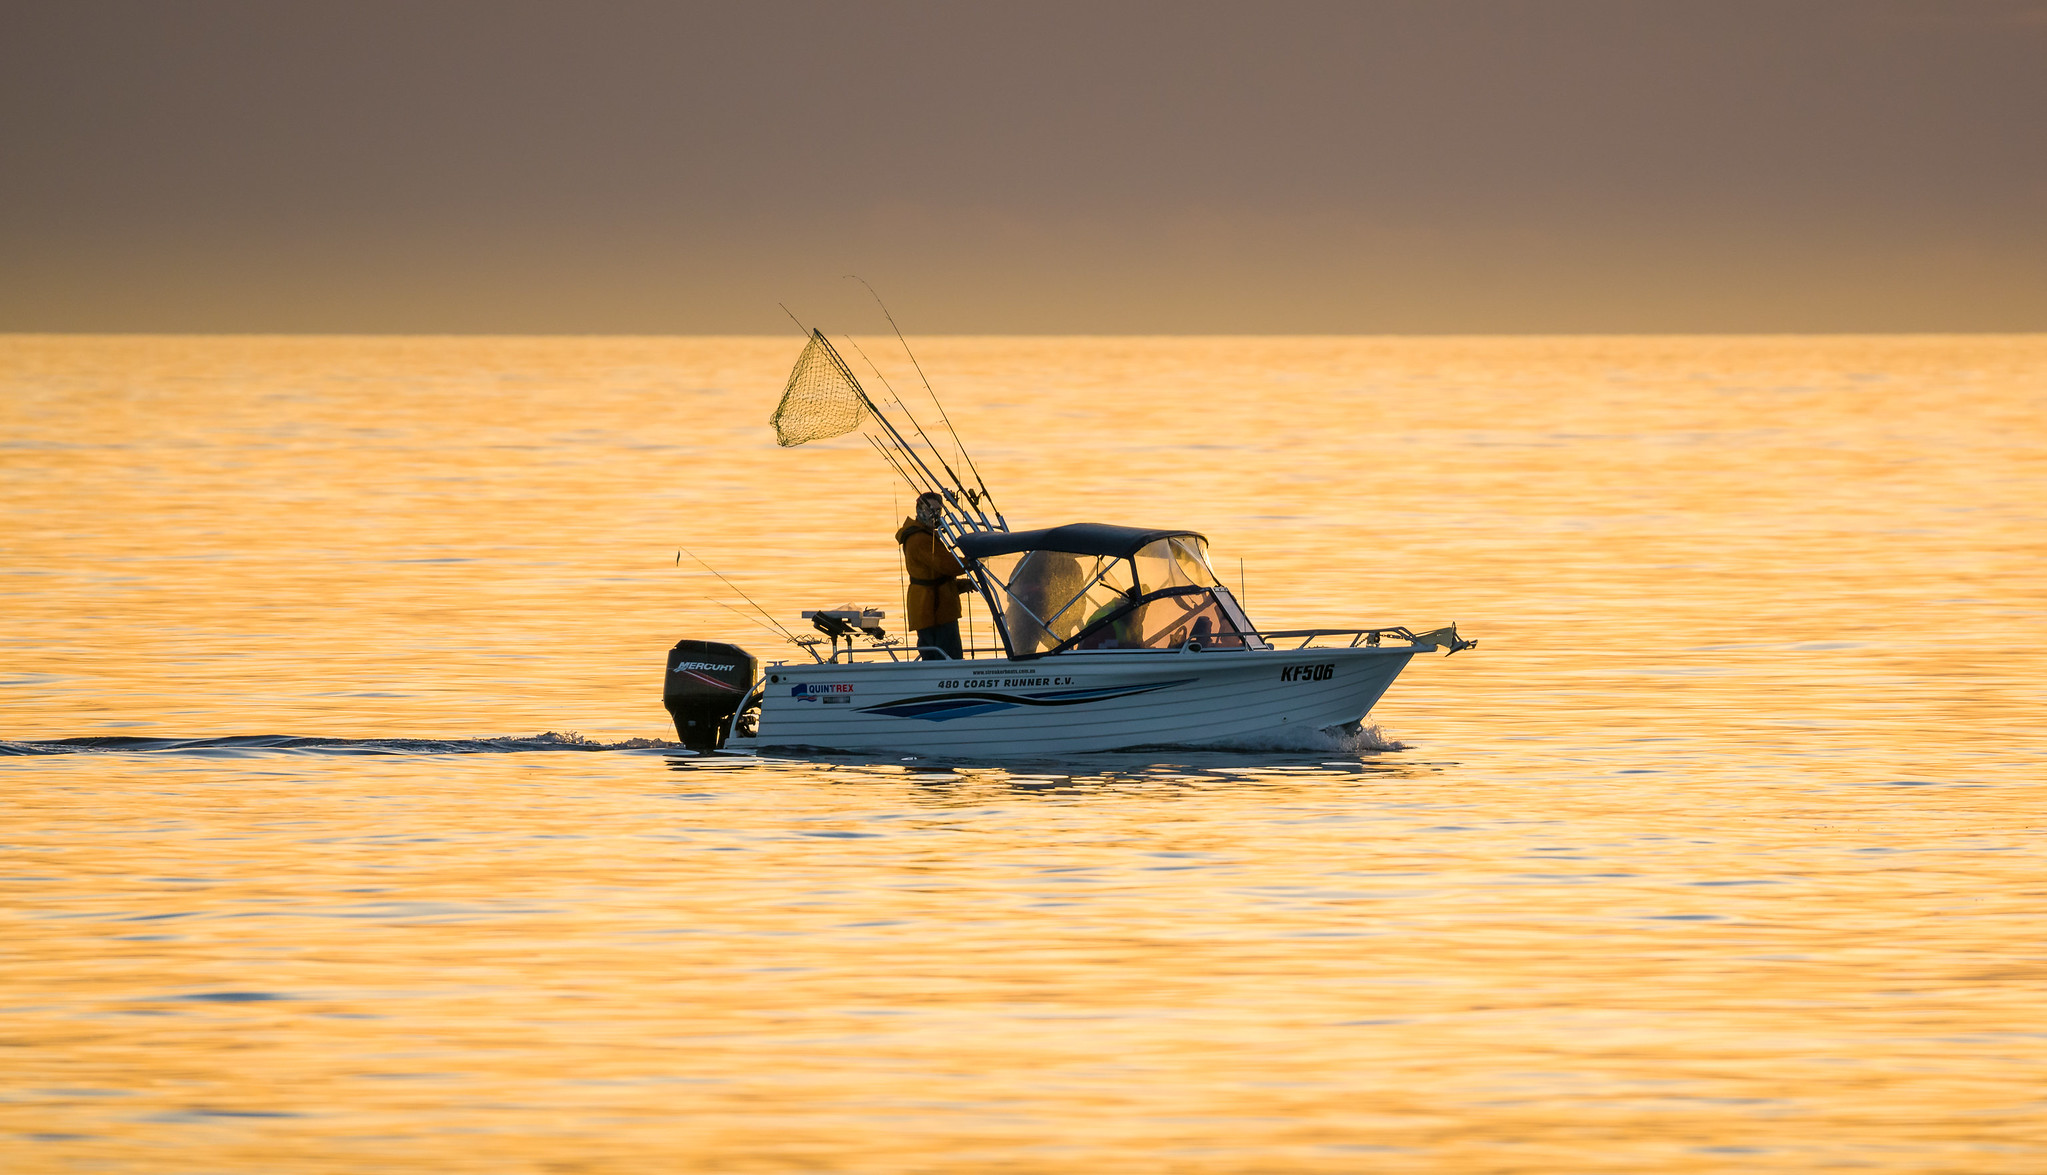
x=821, y=401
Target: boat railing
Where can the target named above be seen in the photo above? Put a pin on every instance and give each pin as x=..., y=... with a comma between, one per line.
x=1368, y=637
x=1358, y=637
x=1240, y=640
x=1439, y=638
x=899, y=652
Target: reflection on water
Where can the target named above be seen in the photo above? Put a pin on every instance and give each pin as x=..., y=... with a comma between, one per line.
x=1721, y=852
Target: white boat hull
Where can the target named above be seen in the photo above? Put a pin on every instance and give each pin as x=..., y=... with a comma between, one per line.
x=1071, y=702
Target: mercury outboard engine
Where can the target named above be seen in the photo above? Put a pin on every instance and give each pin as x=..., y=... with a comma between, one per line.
x=706, y=684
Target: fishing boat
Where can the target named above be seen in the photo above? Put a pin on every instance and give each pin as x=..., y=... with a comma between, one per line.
x=1107, y=637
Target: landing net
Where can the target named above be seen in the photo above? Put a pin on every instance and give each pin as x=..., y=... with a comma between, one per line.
x=821, y=401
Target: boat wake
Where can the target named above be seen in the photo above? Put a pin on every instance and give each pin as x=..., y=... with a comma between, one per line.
x=1365, y=740
x=232, y=746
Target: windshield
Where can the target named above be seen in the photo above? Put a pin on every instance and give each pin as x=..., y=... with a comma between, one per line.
x=1167, y=622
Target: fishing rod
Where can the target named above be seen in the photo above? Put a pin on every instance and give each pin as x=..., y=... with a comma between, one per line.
x=948, y=528
x=942, y=414
x=951, y=526
x=958, y=442
x=973, y=500
x=897, y=399
x=892, y=463
x=818, y=338
x=902, y=444
x=852, y=381
x=914, y=423
x=798, y=641
x=779, y=634
x=681, y=551
x=810, y=409
x=973, y=496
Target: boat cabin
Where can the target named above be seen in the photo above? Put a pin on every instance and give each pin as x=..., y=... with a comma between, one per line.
x=1090, y=586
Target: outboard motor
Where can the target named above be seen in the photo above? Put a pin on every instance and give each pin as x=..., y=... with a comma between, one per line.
x=706, y=684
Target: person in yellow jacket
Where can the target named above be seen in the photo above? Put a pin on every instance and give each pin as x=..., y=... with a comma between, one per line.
x=935, y=579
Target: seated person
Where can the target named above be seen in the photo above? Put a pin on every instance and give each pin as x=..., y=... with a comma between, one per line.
x=1120, y=633
x=1044, y=583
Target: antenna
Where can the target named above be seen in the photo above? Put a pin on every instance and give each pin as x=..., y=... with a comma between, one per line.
x=895, y=505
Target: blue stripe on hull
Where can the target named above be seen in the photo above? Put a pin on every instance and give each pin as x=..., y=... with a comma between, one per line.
x=945, y=707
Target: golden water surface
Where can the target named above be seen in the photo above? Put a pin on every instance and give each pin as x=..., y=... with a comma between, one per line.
x=1722, y=852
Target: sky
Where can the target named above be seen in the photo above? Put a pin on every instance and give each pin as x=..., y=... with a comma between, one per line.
x=1440, y=166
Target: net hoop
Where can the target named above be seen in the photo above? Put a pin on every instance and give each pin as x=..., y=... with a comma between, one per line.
x=820, y=401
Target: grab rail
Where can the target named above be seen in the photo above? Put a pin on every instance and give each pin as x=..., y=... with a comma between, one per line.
x=1442, y=637
x=1370, y=636
x=896, y=652
x=1367, y=637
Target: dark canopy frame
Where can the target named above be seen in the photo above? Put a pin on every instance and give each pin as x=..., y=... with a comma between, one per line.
x=1079, y=538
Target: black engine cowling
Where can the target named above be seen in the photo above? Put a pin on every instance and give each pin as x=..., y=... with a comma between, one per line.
x=706, y=684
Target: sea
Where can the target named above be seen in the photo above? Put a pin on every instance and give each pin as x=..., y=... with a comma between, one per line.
x=342, y=828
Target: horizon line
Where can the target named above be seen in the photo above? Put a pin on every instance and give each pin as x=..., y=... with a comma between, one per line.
x=1409, y=334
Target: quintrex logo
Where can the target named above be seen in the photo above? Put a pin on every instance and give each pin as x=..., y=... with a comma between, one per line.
x=1321, y=672
x=811, y=691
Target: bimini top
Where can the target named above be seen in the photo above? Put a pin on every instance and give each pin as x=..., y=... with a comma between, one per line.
x=1081, y=538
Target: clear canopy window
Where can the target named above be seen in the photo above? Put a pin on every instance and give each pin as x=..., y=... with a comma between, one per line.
x=1051, y=595
x=1179, y=561
x=1160, y=596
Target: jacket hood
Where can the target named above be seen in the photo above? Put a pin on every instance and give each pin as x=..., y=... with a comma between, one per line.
x=909, y=527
